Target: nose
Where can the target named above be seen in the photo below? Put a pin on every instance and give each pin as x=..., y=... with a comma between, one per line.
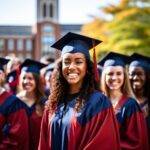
x=71, y=66
x=114, y=77
x=135, y=77
x=25, y=80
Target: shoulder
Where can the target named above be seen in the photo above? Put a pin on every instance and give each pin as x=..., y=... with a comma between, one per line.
x=97, y=104
x=11, y=104
x=99, y=99
x=10, y=99
x=131, y=106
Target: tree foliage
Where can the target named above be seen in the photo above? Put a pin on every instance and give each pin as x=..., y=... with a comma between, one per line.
x=127, y=32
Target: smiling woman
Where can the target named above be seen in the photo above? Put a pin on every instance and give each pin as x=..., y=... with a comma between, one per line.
x=78, y=116
x=31, y=93
x=139, y=73
x=115, y=85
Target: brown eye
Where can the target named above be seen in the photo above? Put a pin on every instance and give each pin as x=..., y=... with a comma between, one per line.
x=66, y=62
x=79, y=62
x=110, y=73
x=119, y=73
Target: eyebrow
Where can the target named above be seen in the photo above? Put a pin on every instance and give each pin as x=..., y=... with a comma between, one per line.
x=75, y=58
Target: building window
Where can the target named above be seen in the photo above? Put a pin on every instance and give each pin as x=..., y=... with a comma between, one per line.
x=51, y=10
x=48, y=29
x=2, y=44
x=44, y=10
x=10, y=44
x=20, y=44
x=29, y=45
x=47, y=40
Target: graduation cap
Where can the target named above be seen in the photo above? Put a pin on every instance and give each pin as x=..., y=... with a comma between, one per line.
x=76, y=43
x=73, y=43
x=33, y=66
x=3, y=61
x=139, y=61
x=114, y=59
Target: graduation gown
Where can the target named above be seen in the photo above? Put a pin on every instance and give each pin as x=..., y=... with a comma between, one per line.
x=93, y=127
x=34, y=123
x=13, y=123
x=132, y=125
x=144, y=107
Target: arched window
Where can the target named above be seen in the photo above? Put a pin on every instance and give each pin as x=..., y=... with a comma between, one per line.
x=51, y=10
x=44, y=10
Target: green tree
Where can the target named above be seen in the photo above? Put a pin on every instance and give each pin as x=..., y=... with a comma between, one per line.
x=128, y=31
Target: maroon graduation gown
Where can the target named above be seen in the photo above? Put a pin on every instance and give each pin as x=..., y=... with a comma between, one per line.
x=94, y=127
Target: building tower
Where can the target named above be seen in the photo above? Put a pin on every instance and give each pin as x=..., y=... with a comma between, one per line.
x=47, y=28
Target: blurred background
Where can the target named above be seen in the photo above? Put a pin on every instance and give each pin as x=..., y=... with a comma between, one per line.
x=29, y=27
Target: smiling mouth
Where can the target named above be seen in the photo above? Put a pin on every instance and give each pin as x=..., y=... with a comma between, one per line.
x=72, y=75
x=136, y=83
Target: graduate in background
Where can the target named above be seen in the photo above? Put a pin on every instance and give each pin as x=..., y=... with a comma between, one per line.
x=139, y=75
x=13, y=72
x=13, y=118
x=47, y=77
x=31, y=93
x=115, y=85
x=77, y=115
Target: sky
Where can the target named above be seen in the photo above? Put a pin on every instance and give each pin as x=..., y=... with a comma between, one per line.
x=23, y=12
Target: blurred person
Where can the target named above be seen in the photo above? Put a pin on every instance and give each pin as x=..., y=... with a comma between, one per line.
x=47, y=77
x=13, y=64
x=13, y=118
x=13, y=72
x=78, y=116
x=31, y=93
x=115, y=85
x=139, y=75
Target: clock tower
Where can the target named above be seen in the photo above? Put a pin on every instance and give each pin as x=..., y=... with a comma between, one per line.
x=47, y=28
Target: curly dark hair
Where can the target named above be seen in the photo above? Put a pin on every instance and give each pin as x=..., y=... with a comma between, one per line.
x=60, y=87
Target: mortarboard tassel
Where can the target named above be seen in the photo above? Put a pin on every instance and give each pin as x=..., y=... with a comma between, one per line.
x=96, y=73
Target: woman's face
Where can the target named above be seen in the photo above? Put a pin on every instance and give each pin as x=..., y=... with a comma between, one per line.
x=28, y=82
x=137, y=77
x=114, y=76
x=74, y=68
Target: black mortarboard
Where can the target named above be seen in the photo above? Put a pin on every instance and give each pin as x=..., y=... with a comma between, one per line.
x=73, y=43
x=33, y=66
x=114, y=59
x=140, y=60
x=3, y=61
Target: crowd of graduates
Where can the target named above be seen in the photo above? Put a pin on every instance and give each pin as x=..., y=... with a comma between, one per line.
x=62, y=104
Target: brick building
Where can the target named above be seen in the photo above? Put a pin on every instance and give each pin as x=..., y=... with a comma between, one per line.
x=34, y=41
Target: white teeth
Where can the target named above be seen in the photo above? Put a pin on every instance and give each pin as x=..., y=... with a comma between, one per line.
x=72, y=75
x=137, y=83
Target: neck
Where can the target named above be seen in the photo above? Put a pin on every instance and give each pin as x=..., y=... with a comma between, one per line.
x=139, y=93
x=29, y=95
x=74, y=89
x=115, y=97
x=115, y=94
x=140, y=96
